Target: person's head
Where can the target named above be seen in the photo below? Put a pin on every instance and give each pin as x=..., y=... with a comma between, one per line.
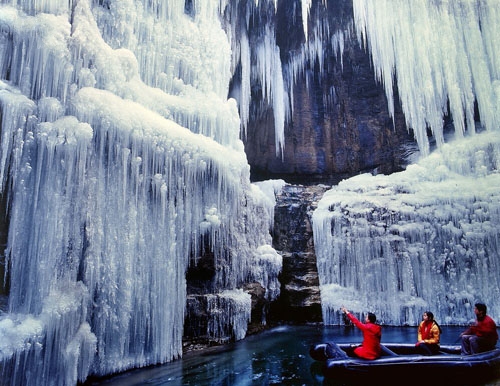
x=370, y=317
x=428, y=316
x=480, y=309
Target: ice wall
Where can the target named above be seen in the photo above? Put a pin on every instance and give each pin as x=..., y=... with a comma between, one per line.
x=426, y=238
x=423, y=239
x=119, y=158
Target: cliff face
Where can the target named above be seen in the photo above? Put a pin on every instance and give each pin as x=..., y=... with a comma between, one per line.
x=340, y=125
x=292, y=236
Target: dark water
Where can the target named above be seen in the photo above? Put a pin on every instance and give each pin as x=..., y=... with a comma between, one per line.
x=279, y=356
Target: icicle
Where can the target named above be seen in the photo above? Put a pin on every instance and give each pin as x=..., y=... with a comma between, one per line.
x=428, y=47
x=270, y=74
x=246, y=92
x=306, y=7
x=120, y=153
x=414, y=240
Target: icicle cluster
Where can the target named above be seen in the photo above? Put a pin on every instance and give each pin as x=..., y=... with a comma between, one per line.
x=425, y=238
x=229, y=315
x=422, y=239
x=258, y=60
x=444, y=56
x=260, y=63
x=119, y=156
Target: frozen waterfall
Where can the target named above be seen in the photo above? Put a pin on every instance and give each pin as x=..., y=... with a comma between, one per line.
x=120, y=164
x=423, y=239
x=426, y=238
x=122, y=167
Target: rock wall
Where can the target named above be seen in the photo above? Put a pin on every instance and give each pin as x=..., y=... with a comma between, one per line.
x=292, y=237
x=340, y=127
x=340, y=124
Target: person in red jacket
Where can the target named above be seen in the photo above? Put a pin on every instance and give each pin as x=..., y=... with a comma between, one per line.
x=372, y=333
x=482, y=335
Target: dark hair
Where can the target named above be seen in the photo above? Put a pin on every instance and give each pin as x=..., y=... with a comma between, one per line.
x=371, y=317
x=430, y=316
x=481, y=307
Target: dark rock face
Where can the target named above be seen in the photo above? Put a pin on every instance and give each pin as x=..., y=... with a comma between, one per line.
x=299, y=301
x=292, y=236
x=340, y=124
x=260, y=307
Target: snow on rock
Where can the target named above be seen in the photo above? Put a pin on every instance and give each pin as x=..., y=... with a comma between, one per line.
x=422, y=239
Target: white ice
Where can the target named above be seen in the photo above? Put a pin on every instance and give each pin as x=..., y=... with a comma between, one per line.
x=422, y=239
x=120, y=155
x=425, y=238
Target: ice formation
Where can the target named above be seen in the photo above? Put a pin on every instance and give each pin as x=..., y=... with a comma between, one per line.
x=120, y=163
x=443, y=56
x=426, y=238
x=259, y=62
x=422, y=239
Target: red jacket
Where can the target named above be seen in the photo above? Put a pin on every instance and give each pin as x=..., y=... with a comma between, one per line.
x=485, y=328
x=372, y=333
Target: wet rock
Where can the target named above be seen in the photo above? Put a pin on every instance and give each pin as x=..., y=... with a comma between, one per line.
x=340, y=124
x=292, y=236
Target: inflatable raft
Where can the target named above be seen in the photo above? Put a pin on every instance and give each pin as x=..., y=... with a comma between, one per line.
x=402, y=364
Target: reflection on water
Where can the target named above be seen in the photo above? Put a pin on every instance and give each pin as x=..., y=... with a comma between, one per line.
x=279, y=356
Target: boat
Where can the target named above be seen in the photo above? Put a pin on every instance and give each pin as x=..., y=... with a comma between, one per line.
x=401, y=364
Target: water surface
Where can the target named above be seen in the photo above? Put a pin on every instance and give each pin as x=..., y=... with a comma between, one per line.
x=279, y=356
